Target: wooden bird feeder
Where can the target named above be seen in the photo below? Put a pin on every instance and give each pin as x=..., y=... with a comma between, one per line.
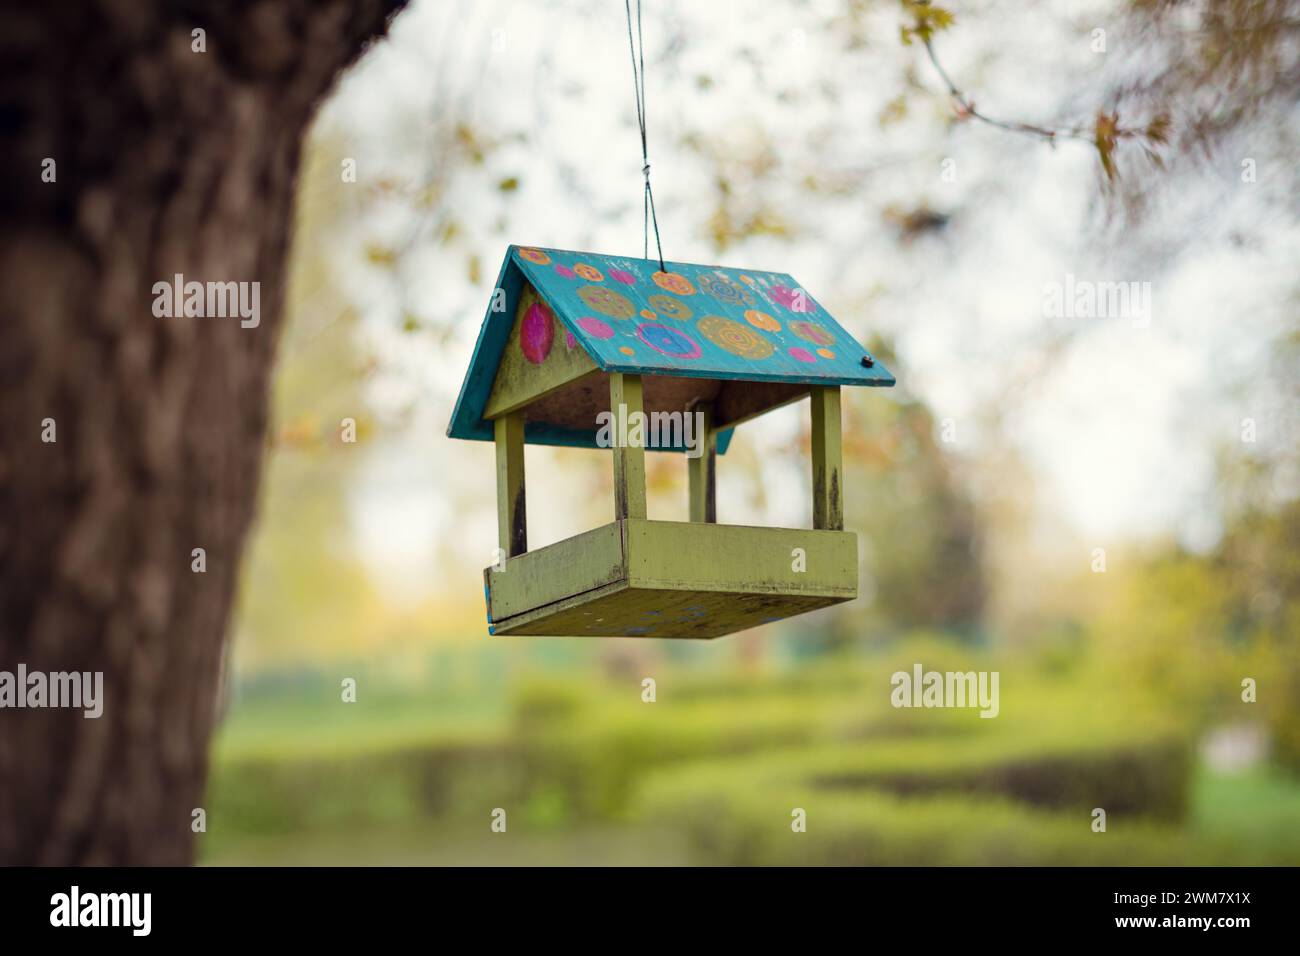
x=571, y=335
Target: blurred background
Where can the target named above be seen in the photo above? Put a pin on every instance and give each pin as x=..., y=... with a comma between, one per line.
x=1104, y=510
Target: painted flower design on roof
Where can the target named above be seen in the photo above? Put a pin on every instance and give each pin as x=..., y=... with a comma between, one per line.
x=597, y=327
x=761, y=320
x=535, y=255
x=673, y=308
x=812, y=332
x=724, y=289
x=796, y=299
x=736, y=337
x=588, y=272
x=668, y=341
x=673, y=282
x=606, y=301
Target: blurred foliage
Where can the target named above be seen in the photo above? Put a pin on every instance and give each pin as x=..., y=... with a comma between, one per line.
x=907, y=500
x=1193, y=628
x=303, y=579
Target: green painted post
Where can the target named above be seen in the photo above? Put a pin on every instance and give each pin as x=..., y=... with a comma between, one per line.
x=629, y=463
x=701, y=472
x=512, y=517
x=827, y=459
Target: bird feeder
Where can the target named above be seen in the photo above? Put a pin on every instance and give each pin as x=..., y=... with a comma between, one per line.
x=576, y=346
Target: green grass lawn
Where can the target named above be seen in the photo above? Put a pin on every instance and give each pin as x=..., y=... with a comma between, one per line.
x=419, y=845
x=1256, y=812
x=300, y=724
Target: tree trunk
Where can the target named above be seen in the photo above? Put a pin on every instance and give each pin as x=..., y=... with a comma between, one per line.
x=167, y=161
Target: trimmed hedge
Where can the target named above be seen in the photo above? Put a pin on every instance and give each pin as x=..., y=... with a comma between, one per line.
x=738, y=820
x=261, y=795
x=1146, y=777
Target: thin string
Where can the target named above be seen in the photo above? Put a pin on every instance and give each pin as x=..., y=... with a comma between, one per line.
x=638, y=82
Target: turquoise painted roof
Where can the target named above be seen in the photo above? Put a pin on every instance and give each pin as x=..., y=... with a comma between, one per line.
x=698, y=321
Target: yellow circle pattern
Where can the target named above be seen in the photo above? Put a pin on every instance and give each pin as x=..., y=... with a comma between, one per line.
x=735, y=337
x=607, y=301
x=673, y=282
x=673, y=308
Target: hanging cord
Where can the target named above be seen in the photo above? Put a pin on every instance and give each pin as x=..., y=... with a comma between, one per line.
x=638, y=81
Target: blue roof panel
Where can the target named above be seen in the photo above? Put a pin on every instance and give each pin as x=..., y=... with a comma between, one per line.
x=696, y=320
x=699, y=321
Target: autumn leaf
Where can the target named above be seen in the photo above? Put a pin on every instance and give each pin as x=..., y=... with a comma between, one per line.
x=1105, y=136
x=927, y=20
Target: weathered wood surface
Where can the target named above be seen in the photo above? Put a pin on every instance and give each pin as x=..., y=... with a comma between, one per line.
x=827, y=460
x=671, y=579
x=629, y=460
x=512, y=510
x=540, y=357
x=702, y=471
x=558, y=571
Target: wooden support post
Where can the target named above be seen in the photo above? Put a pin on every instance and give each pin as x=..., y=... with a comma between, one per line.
x=629, y=463
x=827, y=459
x=701, y=472
x=512, y=517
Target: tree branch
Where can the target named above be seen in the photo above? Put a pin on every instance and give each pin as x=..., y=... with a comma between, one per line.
x=1104, y=133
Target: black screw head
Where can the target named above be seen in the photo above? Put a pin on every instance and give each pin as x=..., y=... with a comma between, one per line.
x=868, y=361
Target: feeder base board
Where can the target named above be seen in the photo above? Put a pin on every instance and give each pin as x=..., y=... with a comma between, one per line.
x=641, y=578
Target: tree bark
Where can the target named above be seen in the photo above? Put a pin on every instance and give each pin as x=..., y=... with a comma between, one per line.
x=168, y=161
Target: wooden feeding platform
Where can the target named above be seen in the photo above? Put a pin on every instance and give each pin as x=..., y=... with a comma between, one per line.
x=577, y=345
